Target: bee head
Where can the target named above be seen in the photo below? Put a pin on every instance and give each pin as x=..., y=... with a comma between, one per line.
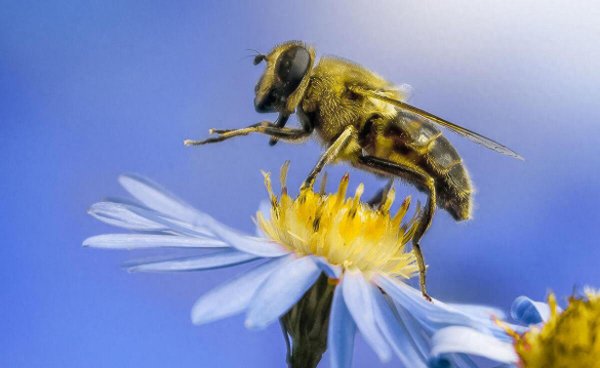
x=284, y=81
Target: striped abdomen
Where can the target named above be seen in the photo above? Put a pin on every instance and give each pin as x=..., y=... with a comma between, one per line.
x=408, y=137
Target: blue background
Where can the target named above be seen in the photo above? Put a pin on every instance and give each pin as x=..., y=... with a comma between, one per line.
x=89, y=90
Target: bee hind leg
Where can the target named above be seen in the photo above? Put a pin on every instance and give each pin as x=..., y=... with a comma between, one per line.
x=379, y=197
x=264, y=127
x=414, y=173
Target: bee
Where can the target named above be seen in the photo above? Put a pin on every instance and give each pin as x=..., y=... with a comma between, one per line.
x=362, y=119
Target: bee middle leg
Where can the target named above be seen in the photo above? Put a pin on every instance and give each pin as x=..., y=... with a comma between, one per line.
x=330, y=155
x=415, y=173
x=264, y=127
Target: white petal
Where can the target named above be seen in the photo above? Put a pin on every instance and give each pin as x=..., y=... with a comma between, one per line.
x=481, y=311
x=281, y=291
x=234, y=296
x=162, y=201
x=458, y=339
x=435, y=315
x=223, y=258
x=142, y=241
x=261, y=247
x=340, y=338
x=332, y=271
x=421, y=339
x=529, y=312
x=250, y=244
x=157, y=198
x=412, y=300
x=123, y=214
x=396, y=333
x=134, y=217
x=183, y=227
x=119, y=214
x=465, y=361
x=432, y=315
x=358, y=298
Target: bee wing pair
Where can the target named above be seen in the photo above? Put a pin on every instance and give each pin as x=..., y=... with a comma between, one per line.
x=406, y=108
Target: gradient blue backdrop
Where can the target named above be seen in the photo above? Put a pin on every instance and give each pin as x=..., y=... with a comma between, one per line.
x=92, y=89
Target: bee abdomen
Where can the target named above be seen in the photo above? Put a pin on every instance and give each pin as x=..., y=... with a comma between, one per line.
x=453, y=185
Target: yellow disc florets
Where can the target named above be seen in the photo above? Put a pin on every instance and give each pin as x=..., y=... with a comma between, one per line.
x=344, y=231
x=567, y=339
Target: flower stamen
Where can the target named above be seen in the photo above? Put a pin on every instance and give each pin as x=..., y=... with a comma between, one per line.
x=568, y=339
x=345, y=231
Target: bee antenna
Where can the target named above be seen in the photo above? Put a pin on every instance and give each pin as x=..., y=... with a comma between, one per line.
x=258, y=56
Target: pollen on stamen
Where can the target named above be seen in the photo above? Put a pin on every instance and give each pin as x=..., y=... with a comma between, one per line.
x=343, y=230
x=568, y=339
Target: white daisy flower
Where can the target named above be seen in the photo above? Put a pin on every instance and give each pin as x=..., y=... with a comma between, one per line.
x=361, y=250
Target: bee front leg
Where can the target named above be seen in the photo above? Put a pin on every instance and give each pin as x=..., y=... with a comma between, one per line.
x=264, y=127
x=280, y=123
x=332, y=152
x=414, y=173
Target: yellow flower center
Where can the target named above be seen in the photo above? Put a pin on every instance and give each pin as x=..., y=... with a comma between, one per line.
x=344, y=231
x=567, y=339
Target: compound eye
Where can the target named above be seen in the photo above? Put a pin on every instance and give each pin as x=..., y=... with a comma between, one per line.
x=291, y=68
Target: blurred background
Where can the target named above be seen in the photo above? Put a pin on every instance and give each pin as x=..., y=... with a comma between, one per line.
x=89, y=90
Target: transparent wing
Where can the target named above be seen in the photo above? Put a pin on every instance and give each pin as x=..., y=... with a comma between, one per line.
x=475, y=137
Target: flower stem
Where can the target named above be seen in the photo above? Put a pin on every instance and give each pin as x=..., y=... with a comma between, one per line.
x=306, y=326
